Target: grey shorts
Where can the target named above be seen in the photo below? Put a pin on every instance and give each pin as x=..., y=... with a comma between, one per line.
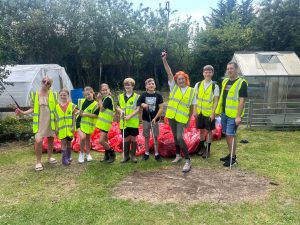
x=147, y=128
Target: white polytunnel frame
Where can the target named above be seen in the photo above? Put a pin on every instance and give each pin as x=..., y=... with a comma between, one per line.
x=27, y=78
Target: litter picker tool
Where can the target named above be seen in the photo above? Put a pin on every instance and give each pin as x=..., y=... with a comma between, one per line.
x=152, y=130
x=123, y=134
x=208, y=136
x=167, y=7
x=10, y=95
x=232, y=145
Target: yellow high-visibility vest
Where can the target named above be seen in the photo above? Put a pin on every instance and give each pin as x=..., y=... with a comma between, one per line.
x=179, y=105
x=52, y=101
x=232, y=100
x=129, y=107
x=64, y=121
x=106, y=117
x=205, y=99
x=87, y=124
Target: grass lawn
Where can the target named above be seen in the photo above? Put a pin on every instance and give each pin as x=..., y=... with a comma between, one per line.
x=82, y=194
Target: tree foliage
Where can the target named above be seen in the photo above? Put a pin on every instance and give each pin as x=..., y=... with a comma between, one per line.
x=124, y=40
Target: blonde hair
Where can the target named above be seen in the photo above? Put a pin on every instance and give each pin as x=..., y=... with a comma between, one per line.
x=88, y=88
x=46, y=77
x=129, y=81
x=64, y=90
x=103, y=85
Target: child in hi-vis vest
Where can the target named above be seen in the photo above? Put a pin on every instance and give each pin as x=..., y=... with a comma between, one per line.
x=65, y=124
x=128, y=109
x=85, y=122
x=105, y=119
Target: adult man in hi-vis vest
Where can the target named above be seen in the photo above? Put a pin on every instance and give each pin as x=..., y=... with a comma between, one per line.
x=180, y=108
x=207, y=97
x=231, y=108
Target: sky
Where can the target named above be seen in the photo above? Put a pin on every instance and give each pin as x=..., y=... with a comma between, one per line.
x=195, y=8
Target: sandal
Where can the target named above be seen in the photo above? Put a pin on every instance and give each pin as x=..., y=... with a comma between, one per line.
x=38, y=167
x=52, y=161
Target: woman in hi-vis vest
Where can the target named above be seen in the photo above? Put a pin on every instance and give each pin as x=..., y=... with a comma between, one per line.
x=180, y=108
x=43, y=107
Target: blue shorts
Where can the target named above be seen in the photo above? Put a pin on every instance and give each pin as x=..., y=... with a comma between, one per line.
x=228, y=125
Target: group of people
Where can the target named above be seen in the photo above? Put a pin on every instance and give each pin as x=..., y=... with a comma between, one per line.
x=62, y=118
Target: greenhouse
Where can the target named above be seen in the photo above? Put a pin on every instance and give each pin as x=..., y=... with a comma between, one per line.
x=273, y=87
x=27, y=78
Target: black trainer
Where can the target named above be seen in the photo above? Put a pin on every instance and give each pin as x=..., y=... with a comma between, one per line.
x=146, y=157
x=158, y=158
x=225, y=158
x=227, y=162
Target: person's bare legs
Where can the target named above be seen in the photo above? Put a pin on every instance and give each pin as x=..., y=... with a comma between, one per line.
x=50, y=148
x=38, y=151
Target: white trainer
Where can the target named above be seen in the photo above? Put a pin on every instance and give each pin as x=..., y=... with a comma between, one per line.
x=81, y=157
x=187, y=166
x=89, y=157
x=177, y=159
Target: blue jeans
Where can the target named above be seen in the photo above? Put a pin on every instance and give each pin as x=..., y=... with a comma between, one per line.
x=228, y=125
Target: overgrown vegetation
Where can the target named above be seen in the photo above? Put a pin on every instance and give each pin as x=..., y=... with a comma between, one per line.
x=12, y=128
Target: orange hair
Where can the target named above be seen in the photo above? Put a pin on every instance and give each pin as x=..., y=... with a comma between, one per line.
x=186, y=77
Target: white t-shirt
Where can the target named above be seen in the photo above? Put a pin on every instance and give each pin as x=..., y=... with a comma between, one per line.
x=183, y=90
x=206, y=85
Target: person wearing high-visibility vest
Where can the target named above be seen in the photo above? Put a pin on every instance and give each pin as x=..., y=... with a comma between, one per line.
x=128, y=109
x=43, y=107
x=231, y=108
x=179, y=110
x=104, y=121
x=207, y=97
x=85, y=122
x=65, y=124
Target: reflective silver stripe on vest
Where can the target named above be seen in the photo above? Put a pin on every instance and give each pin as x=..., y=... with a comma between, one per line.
x=65, y=126
x=236, y=91
x=177, y=112
x=204, y=100
x=67, y=117
x=108, y=112
x=135, y=116
x=87, y=123
x=174, y=91
x=95, y=108
x=35, y=114
x=200, y=107
x=190, y=98
x=104, y=120
x=179, y=102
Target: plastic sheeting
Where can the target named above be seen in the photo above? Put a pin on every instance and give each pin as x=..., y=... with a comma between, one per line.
x=26, y=78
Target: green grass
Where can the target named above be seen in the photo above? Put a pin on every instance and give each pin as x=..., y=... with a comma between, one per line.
x=82, y=194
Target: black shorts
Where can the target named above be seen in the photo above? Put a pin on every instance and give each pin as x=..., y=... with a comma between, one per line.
x=130, y=131
x=204, y=123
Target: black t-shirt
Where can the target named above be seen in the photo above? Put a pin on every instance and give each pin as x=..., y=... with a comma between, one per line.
x=108, y=104
x=242, y=91
x=153, y=100
x=85, y=104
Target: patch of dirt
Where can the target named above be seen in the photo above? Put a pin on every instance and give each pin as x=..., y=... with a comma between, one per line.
x=14, y=145
x=169, y=185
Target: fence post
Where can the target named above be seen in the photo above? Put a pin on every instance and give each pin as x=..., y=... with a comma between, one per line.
x=249, y=119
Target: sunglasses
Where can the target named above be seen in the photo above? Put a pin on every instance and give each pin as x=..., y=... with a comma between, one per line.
x=46, y=82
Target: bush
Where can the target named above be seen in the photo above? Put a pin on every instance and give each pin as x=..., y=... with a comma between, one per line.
x=12, y=128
